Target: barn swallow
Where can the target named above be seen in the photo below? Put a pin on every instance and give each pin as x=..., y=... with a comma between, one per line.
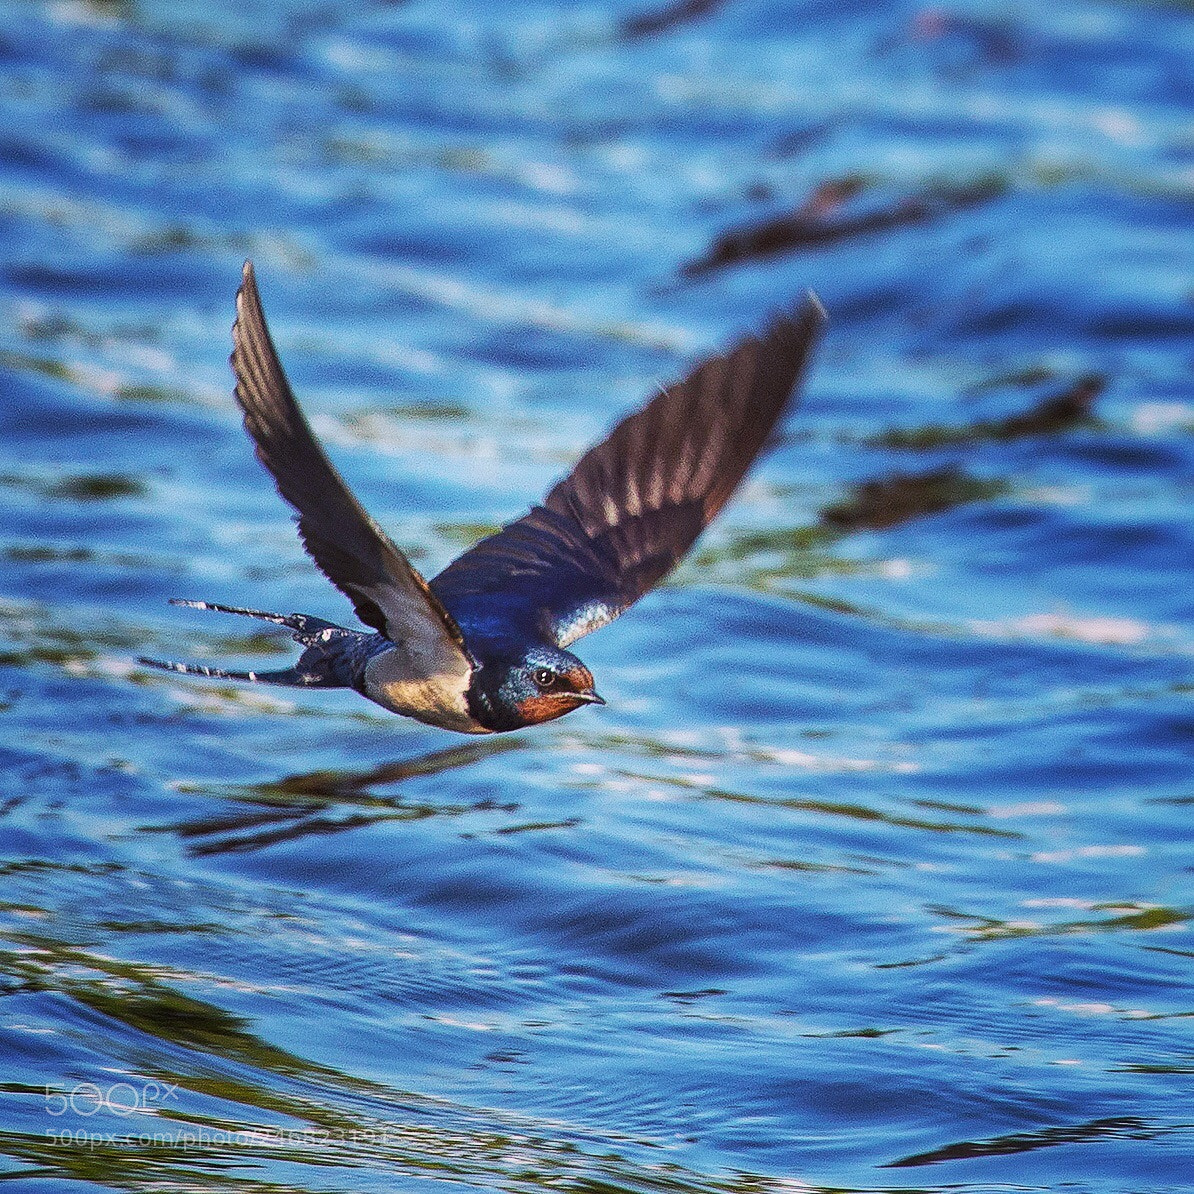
x=481, y=648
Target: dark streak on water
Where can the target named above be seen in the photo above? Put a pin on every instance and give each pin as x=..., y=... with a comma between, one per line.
x=875, y=873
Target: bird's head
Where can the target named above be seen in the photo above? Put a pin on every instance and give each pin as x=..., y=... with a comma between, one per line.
x=540, y=684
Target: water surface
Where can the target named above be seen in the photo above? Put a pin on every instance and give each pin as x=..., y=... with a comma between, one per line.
x=875, y=872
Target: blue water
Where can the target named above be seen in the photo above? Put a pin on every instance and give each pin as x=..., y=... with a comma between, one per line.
x=875, y=872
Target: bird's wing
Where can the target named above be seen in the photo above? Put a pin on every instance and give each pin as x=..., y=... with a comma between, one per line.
x=635, y=503
x=351, y=549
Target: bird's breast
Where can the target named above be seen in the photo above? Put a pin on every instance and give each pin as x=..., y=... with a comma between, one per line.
x=434, y=692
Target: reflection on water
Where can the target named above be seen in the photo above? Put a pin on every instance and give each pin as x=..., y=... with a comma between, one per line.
x=821, y=221
x=1056, y=412
x=298, y=805
x=1021, y=1142
x=873, y=872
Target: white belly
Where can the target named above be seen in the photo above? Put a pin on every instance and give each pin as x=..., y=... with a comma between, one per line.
x=398, y=683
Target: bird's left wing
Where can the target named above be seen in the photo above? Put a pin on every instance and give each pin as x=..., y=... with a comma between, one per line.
x=349, y=547
x=635, y=503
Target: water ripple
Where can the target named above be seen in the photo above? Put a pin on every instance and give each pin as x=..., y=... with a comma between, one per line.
x=874, y=872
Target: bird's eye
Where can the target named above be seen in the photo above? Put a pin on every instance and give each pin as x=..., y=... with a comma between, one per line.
x=544, y=677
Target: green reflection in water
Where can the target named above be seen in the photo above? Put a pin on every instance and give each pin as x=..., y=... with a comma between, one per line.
x=1130, y=918
x=1058, y=412
x=298, y=1114
x=84, y=487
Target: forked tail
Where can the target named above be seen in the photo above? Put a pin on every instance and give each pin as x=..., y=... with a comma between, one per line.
x=334, y=657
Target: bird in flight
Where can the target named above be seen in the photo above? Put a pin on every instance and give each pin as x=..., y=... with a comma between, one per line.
x=482, y=648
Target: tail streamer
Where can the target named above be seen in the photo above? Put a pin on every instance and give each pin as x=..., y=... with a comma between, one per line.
x=322, y=665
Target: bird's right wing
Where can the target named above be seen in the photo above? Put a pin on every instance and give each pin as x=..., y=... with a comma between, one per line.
x=634, y=504
x=349, y=547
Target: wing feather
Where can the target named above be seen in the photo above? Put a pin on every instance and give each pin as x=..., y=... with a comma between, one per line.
x=635, y=503
x=349, y=547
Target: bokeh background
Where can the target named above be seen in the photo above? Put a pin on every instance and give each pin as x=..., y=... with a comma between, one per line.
x=875, y=873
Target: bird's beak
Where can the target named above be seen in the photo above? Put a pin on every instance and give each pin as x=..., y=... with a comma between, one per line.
x=588, y=698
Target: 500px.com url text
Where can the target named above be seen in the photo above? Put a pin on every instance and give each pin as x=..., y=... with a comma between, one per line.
x=216, y=1138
